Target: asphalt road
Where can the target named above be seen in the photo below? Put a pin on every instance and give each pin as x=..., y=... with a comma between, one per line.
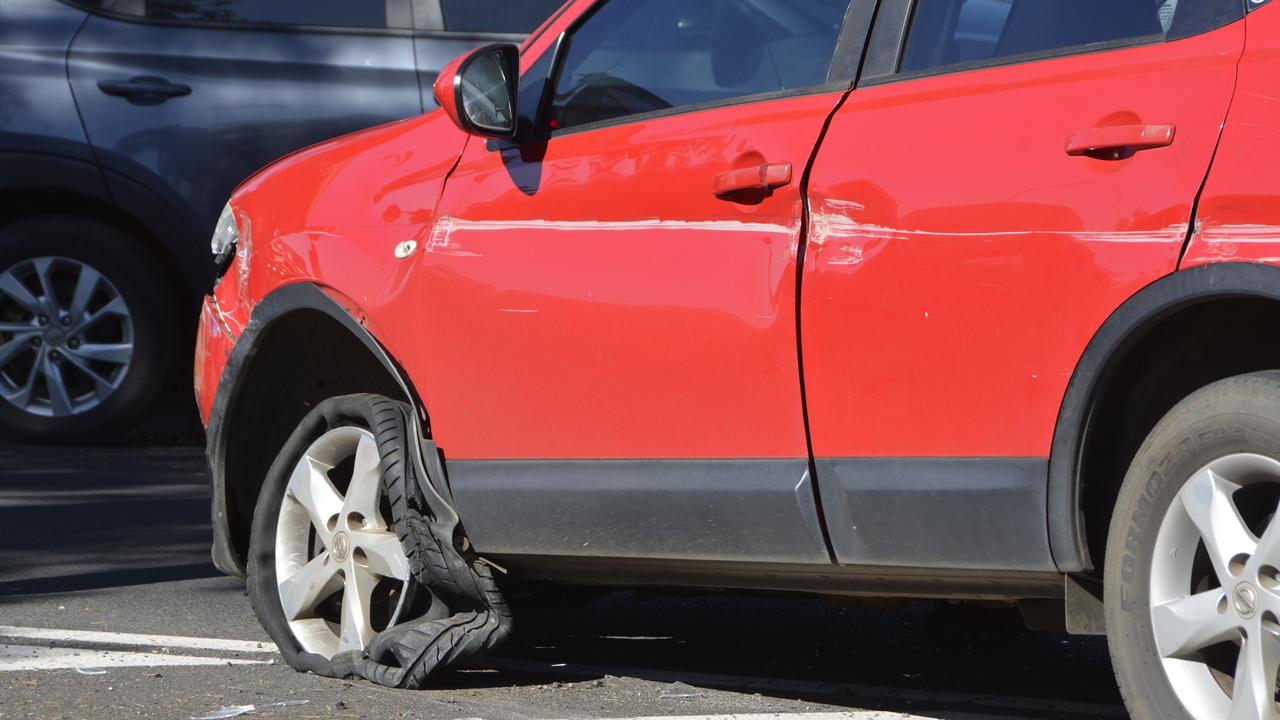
x=115, y=542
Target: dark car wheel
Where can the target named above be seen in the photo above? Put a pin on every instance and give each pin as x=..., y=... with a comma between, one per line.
x=1193, y=559
x=86, y=330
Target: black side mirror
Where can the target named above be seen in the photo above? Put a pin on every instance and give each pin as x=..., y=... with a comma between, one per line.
x=480, y=91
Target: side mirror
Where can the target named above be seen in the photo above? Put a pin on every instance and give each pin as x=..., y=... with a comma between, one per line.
x=479, y=91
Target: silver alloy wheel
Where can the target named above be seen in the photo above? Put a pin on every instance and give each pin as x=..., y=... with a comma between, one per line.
x=66, y=337
x=1215, y=585
x=340, y=570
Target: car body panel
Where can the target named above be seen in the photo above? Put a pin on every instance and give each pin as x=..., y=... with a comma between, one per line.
x=602, y=374
x=255, y=94
x=555, y=311
x=37, y=110
x=983, y=242
x=1239, y=211
x=330, y=238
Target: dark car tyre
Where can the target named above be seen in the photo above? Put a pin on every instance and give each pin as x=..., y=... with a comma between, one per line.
x=326, y=569
x=1192, y=578
x=86, y=329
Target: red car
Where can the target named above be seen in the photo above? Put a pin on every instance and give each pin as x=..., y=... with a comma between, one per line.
x=930, y=298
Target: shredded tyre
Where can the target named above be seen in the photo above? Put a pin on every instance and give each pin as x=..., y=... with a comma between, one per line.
x=467, y=613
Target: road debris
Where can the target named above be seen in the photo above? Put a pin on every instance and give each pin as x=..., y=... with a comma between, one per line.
x=232, y=711
x=679, y=691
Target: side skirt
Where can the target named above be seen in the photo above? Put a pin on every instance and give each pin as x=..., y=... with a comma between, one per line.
x=712, y=510
x=945, y=513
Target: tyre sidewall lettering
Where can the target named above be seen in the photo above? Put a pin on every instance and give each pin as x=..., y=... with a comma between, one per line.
x=1238, y=415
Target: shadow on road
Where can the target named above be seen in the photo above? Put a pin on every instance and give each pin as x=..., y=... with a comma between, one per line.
x=77, y=519
x=90, y=520
x=964, y=659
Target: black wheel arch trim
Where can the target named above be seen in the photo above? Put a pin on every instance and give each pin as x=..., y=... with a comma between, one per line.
x=1125, y=327
x=277, y=305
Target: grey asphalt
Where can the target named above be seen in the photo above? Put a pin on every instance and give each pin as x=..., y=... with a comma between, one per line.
x=116, y=540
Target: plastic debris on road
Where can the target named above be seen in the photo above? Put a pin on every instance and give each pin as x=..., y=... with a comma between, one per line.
x=678, y=690
x=232, y=711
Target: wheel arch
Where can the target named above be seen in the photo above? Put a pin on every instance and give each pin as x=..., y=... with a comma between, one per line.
x=300, y=346
x=1147, y=356
x=52, y=184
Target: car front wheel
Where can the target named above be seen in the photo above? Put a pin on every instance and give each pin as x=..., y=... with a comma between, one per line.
x=326, y=569
x=1193, y=559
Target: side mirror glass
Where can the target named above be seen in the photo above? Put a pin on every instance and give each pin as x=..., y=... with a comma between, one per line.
x=479, y=91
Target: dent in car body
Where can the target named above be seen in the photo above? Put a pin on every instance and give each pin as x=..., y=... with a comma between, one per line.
x=1239, y=211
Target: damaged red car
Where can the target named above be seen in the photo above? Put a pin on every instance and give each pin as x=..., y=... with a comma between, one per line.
x=926, y=298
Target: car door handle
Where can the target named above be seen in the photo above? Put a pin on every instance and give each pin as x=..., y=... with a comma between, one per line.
x=144, y=90
x=760, y=178
x=1120, y=141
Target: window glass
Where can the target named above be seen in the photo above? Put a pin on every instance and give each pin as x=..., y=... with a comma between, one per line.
x=635, y=56
x=950, y=32
x=344, y=13
x=498, y=16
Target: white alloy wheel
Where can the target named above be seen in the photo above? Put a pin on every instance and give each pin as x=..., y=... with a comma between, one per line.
x=341, y=573
x=1215, y=593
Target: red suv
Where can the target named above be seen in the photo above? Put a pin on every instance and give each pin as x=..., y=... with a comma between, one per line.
x=933, y=298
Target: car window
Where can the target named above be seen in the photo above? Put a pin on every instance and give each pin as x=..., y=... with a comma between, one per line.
x=342, y=13
x=954, y=32
x=497, y=16
x=636, y=56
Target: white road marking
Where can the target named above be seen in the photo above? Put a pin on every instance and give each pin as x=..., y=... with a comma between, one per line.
x=92, y=637
x=16, y=658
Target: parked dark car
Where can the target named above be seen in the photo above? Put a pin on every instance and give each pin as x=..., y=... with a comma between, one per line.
x=124, y=126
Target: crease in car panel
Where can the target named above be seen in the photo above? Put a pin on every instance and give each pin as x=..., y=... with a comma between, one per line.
x=1194, y=223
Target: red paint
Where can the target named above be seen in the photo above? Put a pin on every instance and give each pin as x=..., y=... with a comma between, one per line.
x=213, y=347
x=607, y=317
x=630, y=291
x=445, y=88
x=959, y=261
x=1240, y=207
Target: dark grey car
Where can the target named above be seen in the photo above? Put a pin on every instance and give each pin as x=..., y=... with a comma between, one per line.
x=124, y=126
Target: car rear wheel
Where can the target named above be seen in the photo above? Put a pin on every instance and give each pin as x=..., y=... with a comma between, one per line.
x=85, y=331
x=327, y=571
x=1193, y=559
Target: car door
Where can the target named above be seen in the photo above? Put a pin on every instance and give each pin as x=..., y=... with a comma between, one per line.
x=186, y=98
x=612, y=303
x=1007, y=173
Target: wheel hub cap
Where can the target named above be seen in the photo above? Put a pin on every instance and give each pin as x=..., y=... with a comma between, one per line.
x=341, y=545
x=1246, y=601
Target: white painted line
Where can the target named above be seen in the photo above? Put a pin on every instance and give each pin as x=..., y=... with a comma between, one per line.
x=17, y=658
x=93, y=637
